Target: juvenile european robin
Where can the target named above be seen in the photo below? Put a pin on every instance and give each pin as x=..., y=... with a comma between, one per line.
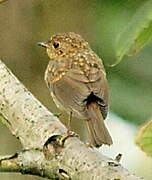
x=77, y=81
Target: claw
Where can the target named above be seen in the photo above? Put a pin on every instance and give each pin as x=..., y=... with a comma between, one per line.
x=61, y=139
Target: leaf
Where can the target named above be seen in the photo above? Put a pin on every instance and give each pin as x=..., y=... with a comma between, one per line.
x=142, y=39
x=137, y=34
x=144, y=138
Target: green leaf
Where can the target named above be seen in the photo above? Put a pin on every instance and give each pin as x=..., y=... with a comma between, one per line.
x=142, y=39
x=144, y=138
x=136, y=34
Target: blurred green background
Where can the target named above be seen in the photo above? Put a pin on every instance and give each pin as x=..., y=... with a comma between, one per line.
x=24, y=23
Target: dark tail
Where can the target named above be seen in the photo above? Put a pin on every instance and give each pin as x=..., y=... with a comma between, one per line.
x=98, y=132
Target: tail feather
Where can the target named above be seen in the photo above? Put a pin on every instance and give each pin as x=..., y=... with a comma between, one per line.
x=98, y=132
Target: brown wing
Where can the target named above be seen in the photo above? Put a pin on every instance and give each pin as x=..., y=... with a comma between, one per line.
x=71, y=94
x=78, y=83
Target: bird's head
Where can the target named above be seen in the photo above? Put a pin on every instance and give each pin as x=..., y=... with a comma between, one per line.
x=64, y=44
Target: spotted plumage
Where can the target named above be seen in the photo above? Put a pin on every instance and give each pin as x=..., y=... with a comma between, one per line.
x=77, y=81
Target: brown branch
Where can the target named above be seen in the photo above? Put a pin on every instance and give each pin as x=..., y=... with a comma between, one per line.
x=39, y=132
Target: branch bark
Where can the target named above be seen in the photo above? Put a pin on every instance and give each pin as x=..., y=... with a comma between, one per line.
x=40, y=132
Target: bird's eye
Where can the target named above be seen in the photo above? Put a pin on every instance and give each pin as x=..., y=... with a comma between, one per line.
x=56, y=44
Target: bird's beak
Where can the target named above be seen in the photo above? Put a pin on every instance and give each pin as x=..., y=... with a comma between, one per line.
x=43, y=44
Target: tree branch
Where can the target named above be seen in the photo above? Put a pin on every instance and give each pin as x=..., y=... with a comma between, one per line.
x=39, y=132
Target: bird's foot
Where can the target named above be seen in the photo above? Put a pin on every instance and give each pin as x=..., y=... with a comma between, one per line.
x=61, y=139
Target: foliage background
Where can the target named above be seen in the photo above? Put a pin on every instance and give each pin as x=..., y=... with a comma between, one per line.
x=24, y=23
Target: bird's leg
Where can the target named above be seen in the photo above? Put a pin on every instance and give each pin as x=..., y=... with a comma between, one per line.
x=69, y=121
x=69, y=132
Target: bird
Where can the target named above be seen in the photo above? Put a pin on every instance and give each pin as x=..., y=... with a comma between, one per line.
x=77, y=82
